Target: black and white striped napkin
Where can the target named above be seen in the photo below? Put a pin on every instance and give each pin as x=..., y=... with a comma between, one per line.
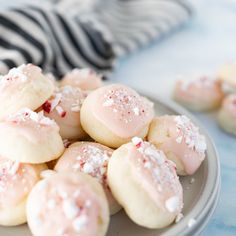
x=61, y=35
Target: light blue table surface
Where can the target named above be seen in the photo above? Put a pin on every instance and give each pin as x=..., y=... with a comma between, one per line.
x=208, y=41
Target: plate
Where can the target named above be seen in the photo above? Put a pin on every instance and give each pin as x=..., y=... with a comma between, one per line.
x=200, y=197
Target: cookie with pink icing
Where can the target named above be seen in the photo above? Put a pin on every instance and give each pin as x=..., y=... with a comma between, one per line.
x=53, y=80
x=16, y=181
x=227, y=74
x=69, y=204
x=113, y=114
x=227, y=114
x=145, y=183
x=180, y=140
x=30, y=137
x=85, y=79
x=201, y=94
x=90, y=158
x=24, y=86
x=64, y=107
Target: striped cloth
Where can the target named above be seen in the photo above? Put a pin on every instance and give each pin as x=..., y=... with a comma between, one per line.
x=65, y=34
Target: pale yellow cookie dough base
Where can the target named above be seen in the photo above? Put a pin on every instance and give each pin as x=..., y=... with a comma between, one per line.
x=20, y=148
x=156, y=136
x=129, y=193
x=99, y=131
x=227, y=122
x=227, y=74
x=199, y=105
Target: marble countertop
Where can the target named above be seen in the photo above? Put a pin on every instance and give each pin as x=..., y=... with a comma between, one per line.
x=200, y=47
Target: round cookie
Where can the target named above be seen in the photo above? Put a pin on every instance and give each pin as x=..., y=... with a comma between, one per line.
x=68, y=204
x=145, y=183
x=180, y=140
x=30, y=137
x=54, y=81
x=227, y=74
x=202, y=94
x=85, y=79
x=17, y=180
x=90, y=158
x=64, y=107
x=227, y=114
x=24, y=86
x=113, y=114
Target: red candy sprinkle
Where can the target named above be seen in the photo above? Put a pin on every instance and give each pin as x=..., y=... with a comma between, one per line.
x=63, y=114
x=138, y=145
x=47, y=106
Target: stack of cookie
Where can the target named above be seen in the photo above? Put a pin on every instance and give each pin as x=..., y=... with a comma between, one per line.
x=75, y=152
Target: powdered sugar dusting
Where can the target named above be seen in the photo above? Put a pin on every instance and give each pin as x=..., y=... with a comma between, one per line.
x=126, y=104
x=188, y=132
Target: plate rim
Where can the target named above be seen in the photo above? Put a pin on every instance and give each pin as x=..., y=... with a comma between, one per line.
x=208, y=204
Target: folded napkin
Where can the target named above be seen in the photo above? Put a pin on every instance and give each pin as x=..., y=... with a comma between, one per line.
x=62, y=35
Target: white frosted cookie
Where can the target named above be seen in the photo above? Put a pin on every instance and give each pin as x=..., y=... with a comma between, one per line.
x=201, y=94
x=113, y=114
x=16, y=181
x=180, y=140
x=90, y=158
x=227, y=74
x=30, y=137
x=85, y=79
x=24, y=86
x=69, y=204
x=227, y=114
x=64, y=107
x=145, y=183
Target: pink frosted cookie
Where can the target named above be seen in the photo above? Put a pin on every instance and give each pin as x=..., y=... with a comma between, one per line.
x=64, y=107
x=202, y=94
x=67, y=204
x=85, y=79
x=145, y=183
x=16, y=182
x=53, y=79
x=113, y=114
x=227, y=74
x=227, y=114
x=30, y=137
x=90, y=158
x=24, y=86
x=180, y=140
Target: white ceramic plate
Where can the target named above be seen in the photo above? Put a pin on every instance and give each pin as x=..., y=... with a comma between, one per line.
x=200, y=197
